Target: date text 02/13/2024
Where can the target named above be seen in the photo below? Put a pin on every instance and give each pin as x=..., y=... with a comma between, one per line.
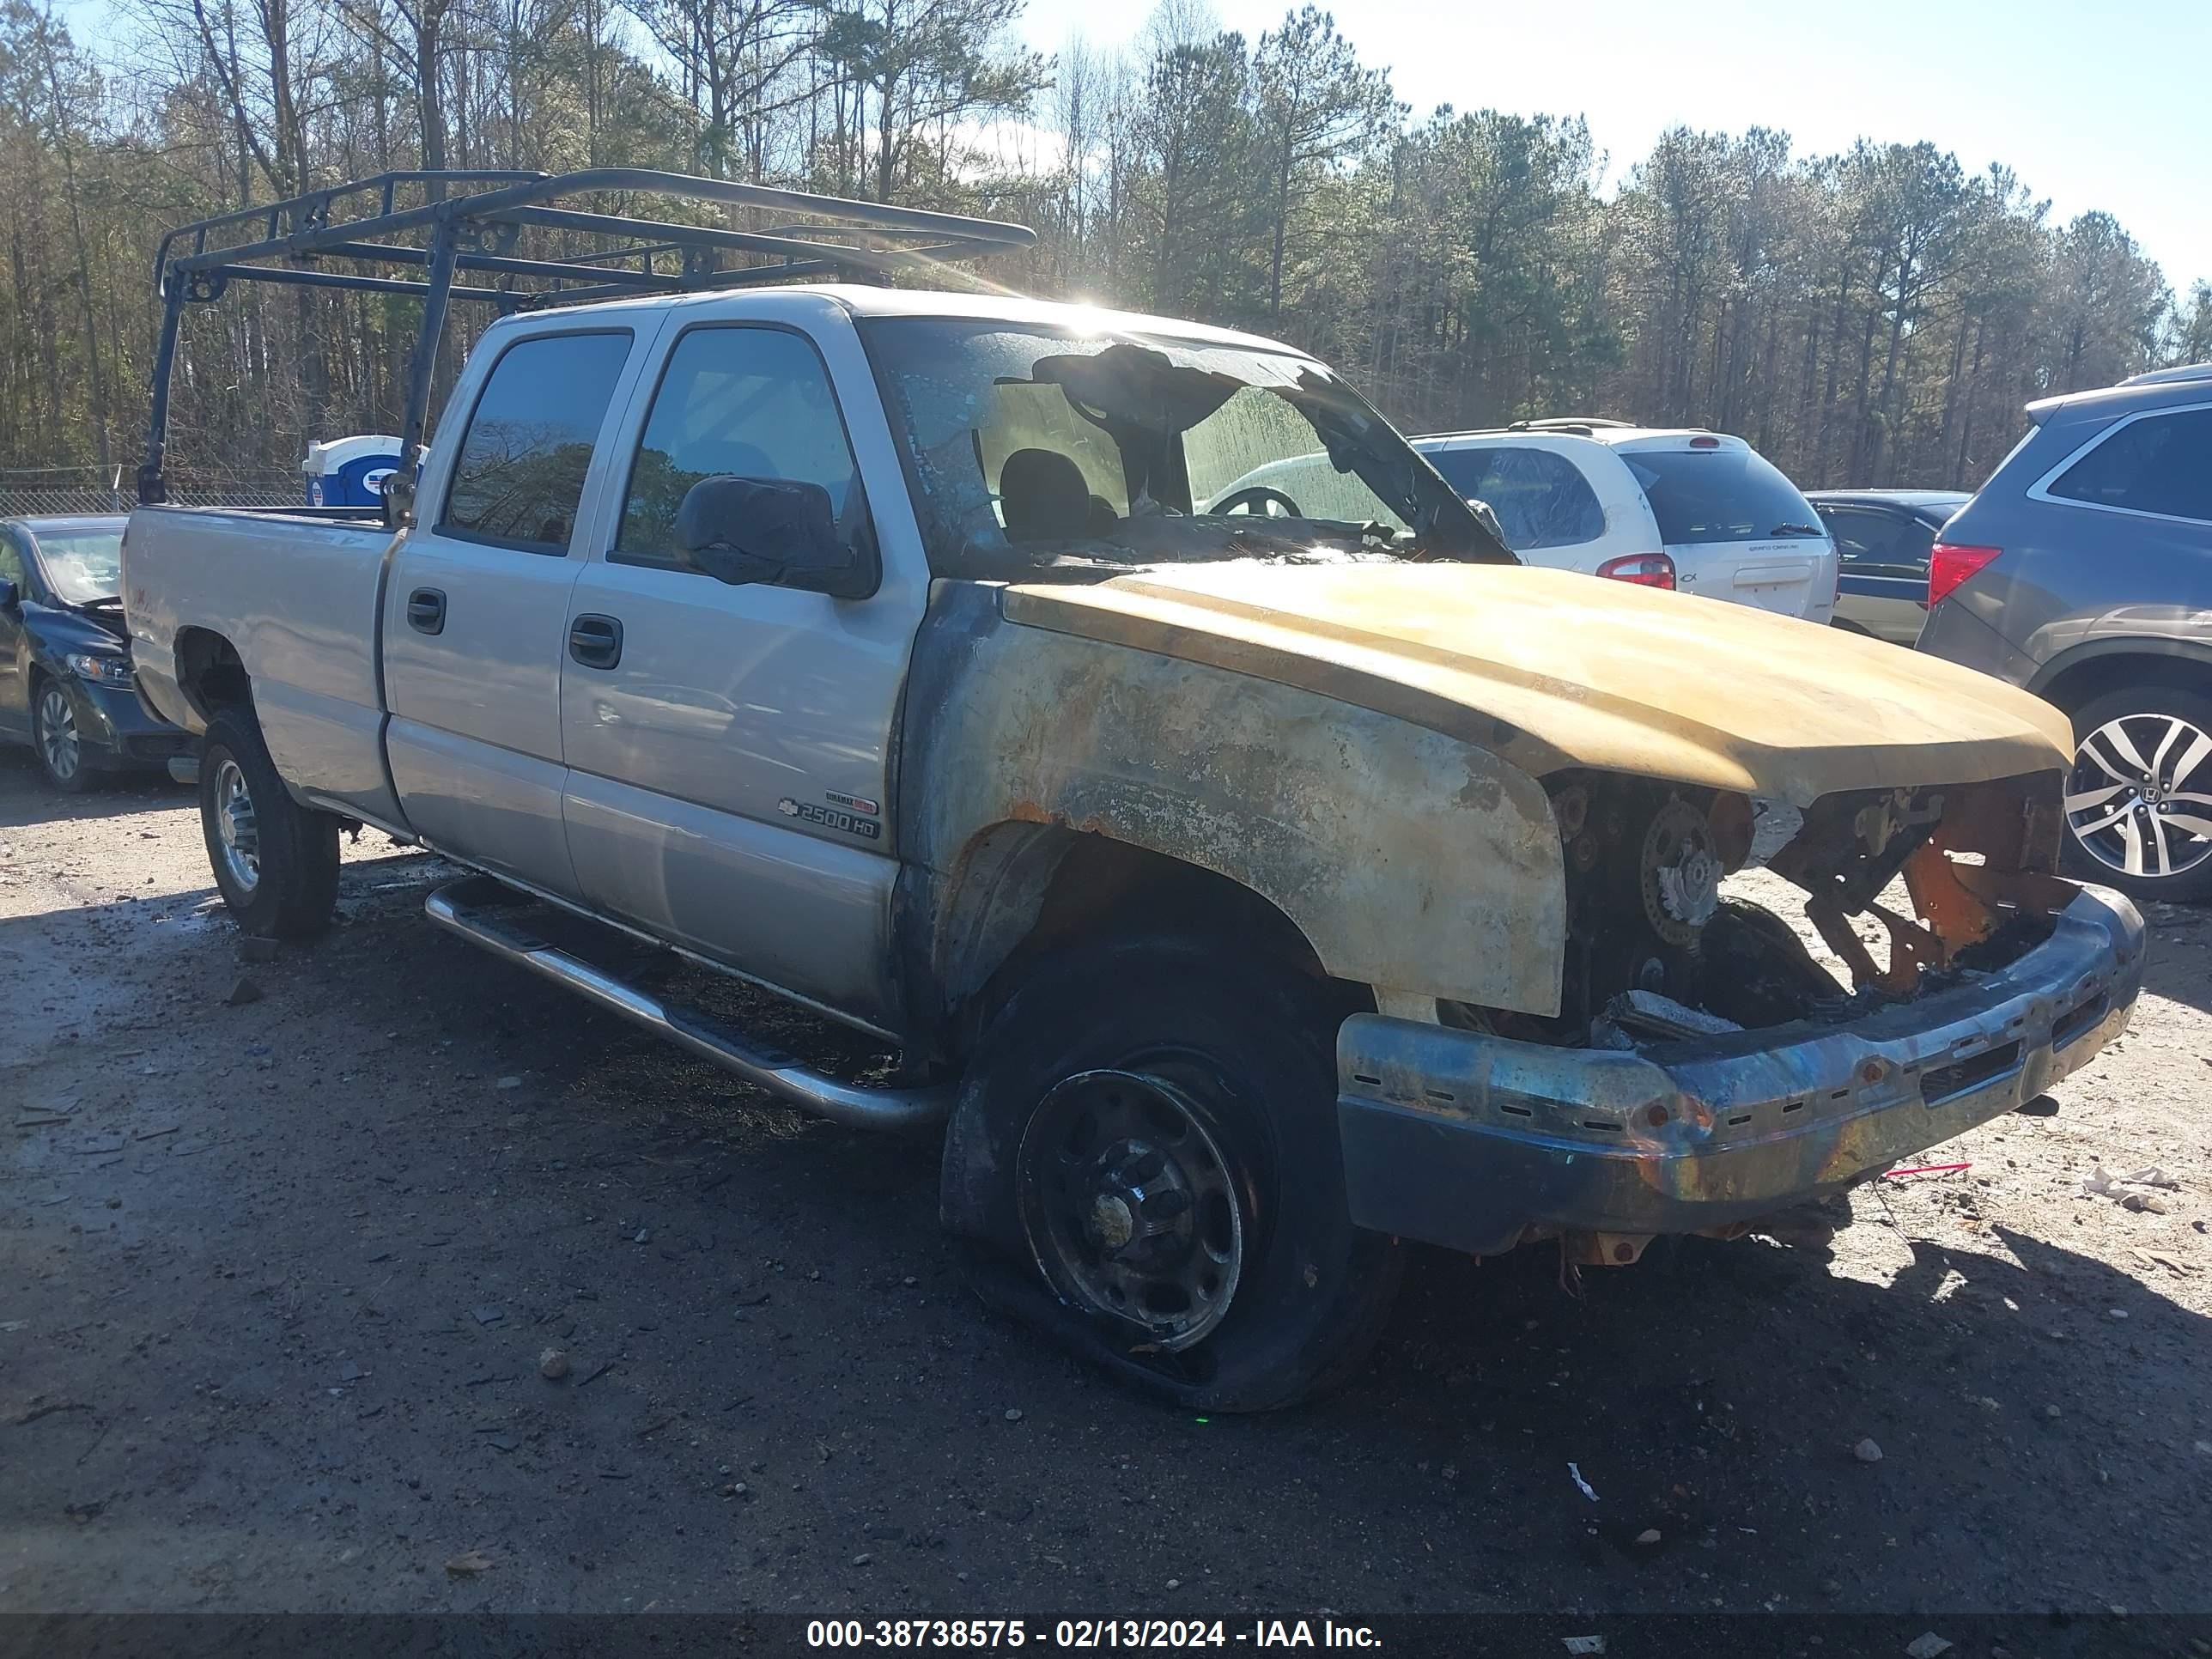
x=1086, y=1634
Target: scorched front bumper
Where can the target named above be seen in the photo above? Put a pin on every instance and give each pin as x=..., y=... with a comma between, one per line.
x=1473, y=1141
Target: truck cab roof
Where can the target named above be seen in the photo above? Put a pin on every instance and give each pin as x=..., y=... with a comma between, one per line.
x=863, y=299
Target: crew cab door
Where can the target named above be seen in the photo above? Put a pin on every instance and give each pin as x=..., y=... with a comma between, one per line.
x=476, y=609
x=729, y=747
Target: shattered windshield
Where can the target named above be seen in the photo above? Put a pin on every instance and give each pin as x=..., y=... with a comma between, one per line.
x=1030, y=449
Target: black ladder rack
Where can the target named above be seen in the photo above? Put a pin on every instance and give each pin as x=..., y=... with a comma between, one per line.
x=471, y=220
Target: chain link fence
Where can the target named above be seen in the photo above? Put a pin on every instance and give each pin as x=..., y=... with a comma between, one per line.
x=27, y=492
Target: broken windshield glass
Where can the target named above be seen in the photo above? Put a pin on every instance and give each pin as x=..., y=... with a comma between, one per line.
x=1032, y=449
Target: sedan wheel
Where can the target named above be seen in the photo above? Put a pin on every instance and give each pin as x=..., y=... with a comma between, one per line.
x=61, y=752
x=2139, y=801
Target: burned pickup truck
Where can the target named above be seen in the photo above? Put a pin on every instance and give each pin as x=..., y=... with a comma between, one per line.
x=1248, y=884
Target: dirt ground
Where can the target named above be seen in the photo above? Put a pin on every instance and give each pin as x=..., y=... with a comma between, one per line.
x=276, y=1272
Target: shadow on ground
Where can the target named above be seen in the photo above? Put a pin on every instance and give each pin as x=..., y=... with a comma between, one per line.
x=302, y=1362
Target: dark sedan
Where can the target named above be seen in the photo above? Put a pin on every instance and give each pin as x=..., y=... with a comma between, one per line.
x=65, y=684
x=1882, y=538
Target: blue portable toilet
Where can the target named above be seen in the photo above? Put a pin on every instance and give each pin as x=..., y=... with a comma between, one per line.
x=350, y=472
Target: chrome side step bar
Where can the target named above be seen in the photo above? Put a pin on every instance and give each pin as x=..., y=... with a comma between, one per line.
x=460, y=907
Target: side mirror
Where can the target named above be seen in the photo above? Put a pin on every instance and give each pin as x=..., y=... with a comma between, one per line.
x=398, y=499
x=777, y=531
x=9, y=596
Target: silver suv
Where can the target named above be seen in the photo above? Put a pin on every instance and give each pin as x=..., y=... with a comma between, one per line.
x=2083, y=572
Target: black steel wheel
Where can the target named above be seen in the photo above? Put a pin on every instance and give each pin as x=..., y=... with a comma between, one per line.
x=1145, y=1154
x=1129, y=1204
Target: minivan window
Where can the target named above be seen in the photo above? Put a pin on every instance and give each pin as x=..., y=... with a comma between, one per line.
x=2158, y=464
x=1719, y=496
x=751, y=402
x=1541, y=499
x=521, y=471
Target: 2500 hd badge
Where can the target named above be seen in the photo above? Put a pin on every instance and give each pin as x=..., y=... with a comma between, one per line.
x=830, y=817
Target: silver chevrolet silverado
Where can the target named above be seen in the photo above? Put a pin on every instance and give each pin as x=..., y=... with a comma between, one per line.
x=1250, y=886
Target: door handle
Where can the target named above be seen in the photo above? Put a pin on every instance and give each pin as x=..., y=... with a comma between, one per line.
x=595, y=641
x=426, y=611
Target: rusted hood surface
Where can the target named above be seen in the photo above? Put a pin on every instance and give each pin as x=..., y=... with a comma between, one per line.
x=1552, y=668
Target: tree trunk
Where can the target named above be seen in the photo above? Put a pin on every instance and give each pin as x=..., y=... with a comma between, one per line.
x=84, y=265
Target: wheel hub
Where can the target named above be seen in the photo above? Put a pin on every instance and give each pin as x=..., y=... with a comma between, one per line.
x=58, y=733
x=1130, y=1204
x=1142, y=1199
x=237, y=826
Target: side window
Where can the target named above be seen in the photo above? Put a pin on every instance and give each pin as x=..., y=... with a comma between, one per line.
x=521, y=472
x=755, y=402
x=2160, y=464
x=1871, y=541
x=12, y=564
x=1541, y=499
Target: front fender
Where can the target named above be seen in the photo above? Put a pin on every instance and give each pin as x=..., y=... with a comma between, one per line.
x=1412, y=862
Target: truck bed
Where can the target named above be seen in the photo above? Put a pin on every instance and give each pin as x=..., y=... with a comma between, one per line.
x=295, y=594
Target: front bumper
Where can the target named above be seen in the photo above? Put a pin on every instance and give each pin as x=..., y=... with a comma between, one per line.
x=117, y=730
x=1472, y=1141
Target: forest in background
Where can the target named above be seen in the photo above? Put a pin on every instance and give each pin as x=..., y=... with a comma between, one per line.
x=1876, y=317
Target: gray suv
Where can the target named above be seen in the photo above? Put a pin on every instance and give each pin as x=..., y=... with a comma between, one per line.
x=2083, y=572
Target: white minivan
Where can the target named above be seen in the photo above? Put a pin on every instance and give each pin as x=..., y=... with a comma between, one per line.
x=1698, y=511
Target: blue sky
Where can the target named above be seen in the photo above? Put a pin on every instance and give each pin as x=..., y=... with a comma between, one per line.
x=2102, y=106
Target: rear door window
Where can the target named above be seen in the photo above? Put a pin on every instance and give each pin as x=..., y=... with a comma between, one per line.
x=1874, y=542
x=2160, y=464
x=1541, y=499
x=521, y=472
x=1719, y=496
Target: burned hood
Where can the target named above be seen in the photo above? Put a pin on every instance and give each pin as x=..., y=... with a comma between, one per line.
x=1550, y=669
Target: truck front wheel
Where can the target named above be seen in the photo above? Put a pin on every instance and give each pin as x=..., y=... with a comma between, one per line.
x=275, y=861
x=1146, y=1147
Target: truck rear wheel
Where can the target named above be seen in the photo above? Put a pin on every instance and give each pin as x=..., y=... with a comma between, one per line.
x=1146, y=1146
x=275, y=861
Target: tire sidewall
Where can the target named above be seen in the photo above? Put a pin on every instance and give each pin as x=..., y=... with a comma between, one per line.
x=298, y=847
x=1265, y=1040
x=223, y=744
x=2179, y=702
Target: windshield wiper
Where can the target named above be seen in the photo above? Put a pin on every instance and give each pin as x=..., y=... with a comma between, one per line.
x=1797, y=530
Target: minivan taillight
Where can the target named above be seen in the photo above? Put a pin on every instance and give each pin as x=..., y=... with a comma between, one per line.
x=1950, y=563
x=1644, y=569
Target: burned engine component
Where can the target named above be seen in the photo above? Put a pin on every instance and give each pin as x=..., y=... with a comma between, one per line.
x=1655, y=954
x=1853, y=845
x=1679, y=871
x=1759, y=973
x=1647, y=1014
x=1644, y=863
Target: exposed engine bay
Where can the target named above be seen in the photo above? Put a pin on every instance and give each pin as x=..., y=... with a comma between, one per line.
x=1662, y=945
